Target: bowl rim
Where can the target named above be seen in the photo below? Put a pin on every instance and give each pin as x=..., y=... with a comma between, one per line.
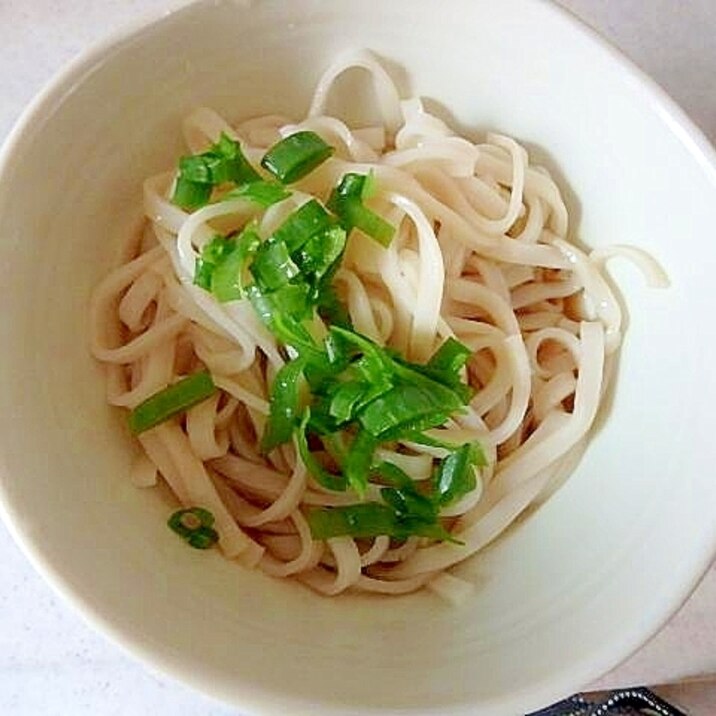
x=255, y=699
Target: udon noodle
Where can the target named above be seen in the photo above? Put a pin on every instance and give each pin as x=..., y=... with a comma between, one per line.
x=481, y=253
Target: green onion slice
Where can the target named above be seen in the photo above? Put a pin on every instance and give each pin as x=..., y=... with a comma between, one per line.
x=455, y=476
x=195, y=526
x=263, y=193
x=320, y=252
x=407, y=404
x=358, y=460
x=227, y=277
x=355, y=215
x=302, y=224
x=330, y=481
x=171, y=401
x=369, y=519
x=198, y=174
x=285, y=406
x=273, y=266
x=189, y=194
x=296, y=156
x=346, y=201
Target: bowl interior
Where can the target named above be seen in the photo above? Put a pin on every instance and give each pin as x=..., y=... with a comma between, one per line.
x=571, y=590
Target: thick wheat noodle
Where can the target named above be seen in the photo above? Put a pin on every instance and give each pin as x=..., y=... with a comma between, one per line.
x=480, y=253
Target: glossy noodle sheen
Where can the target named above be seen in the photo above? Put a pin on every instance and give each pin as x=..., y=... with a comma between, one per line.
x=481, y=253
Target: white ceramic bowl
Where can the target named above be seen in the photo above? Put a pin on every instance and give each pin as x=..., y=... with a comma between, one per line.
x=566, y=595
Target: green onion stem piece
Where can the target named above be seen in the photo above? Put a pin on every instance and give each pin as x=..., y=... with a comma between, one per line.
x=195, y=526
x=171, y=401
x=296, y=156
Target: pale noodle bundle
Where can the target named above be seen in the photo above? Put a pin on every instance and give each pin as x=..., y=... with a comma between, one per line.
x=481, y=253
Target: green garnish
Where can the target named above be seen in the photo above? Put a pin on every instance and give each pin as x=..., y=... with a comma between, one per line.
x=406, y=510
x=299, y=227
x=195, y=526
x=224, y=162
x=455, y=477
x=346, y=202
x=221, y=266
x=450, y=357
x=370, y=519
x=227, y=276
x=296, y=156
x=407, y=404
x=358, y=460
x=285, y=406
x=273, y=267
x=190, y=194
x=328, y=479
x=263, y=193
x=171, y=401
x=340, y=389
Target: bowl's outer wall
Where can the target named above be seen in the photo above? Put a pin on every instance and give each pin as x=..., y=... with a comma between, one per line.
x=570, y=592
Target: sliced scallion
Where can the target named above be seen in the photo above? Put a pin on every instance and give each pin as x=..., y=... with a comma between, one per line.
x=195, y=526
x=285, y=406
x=171, y=401
x=189, y=194
x=328, y=479
x=346, y=202
x=200, y=173
x=455, y=476
x=273, y=266
x=227, y=277
x=296, y=156
x=302, y=224
x=263, y=193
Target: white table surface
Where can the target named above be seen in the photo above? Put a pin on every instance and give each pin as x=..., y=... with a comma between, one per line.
x=51, y=663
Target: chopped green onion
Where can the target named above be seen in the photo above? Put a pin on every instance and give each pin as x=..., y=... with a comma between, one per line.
x=351, y=186
x=321, y=422
x=288, y=329
x=358, y=461
x=189, y=194
x=330, y=308
x=234, y=166
x=393, y=475
x=302, y=224
x=212, y=254
x=345, y=399
x=405, y=404
x=285, y=406
x=263, y=193
x=346, y=202
x=355, y=215
x=330, y=481
x=478, y=454
x=409, y=503
x=273, y=267
x=199, y=173
x=370, y=186
x=451, y=356
x=227, y=277
x=203, y=271
x=195, y=526
x=369, y=519
x=216, y=250
x=171, y=401
x=199, y=168
x=296, y=156
x=319, y=253
x=455, y=476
